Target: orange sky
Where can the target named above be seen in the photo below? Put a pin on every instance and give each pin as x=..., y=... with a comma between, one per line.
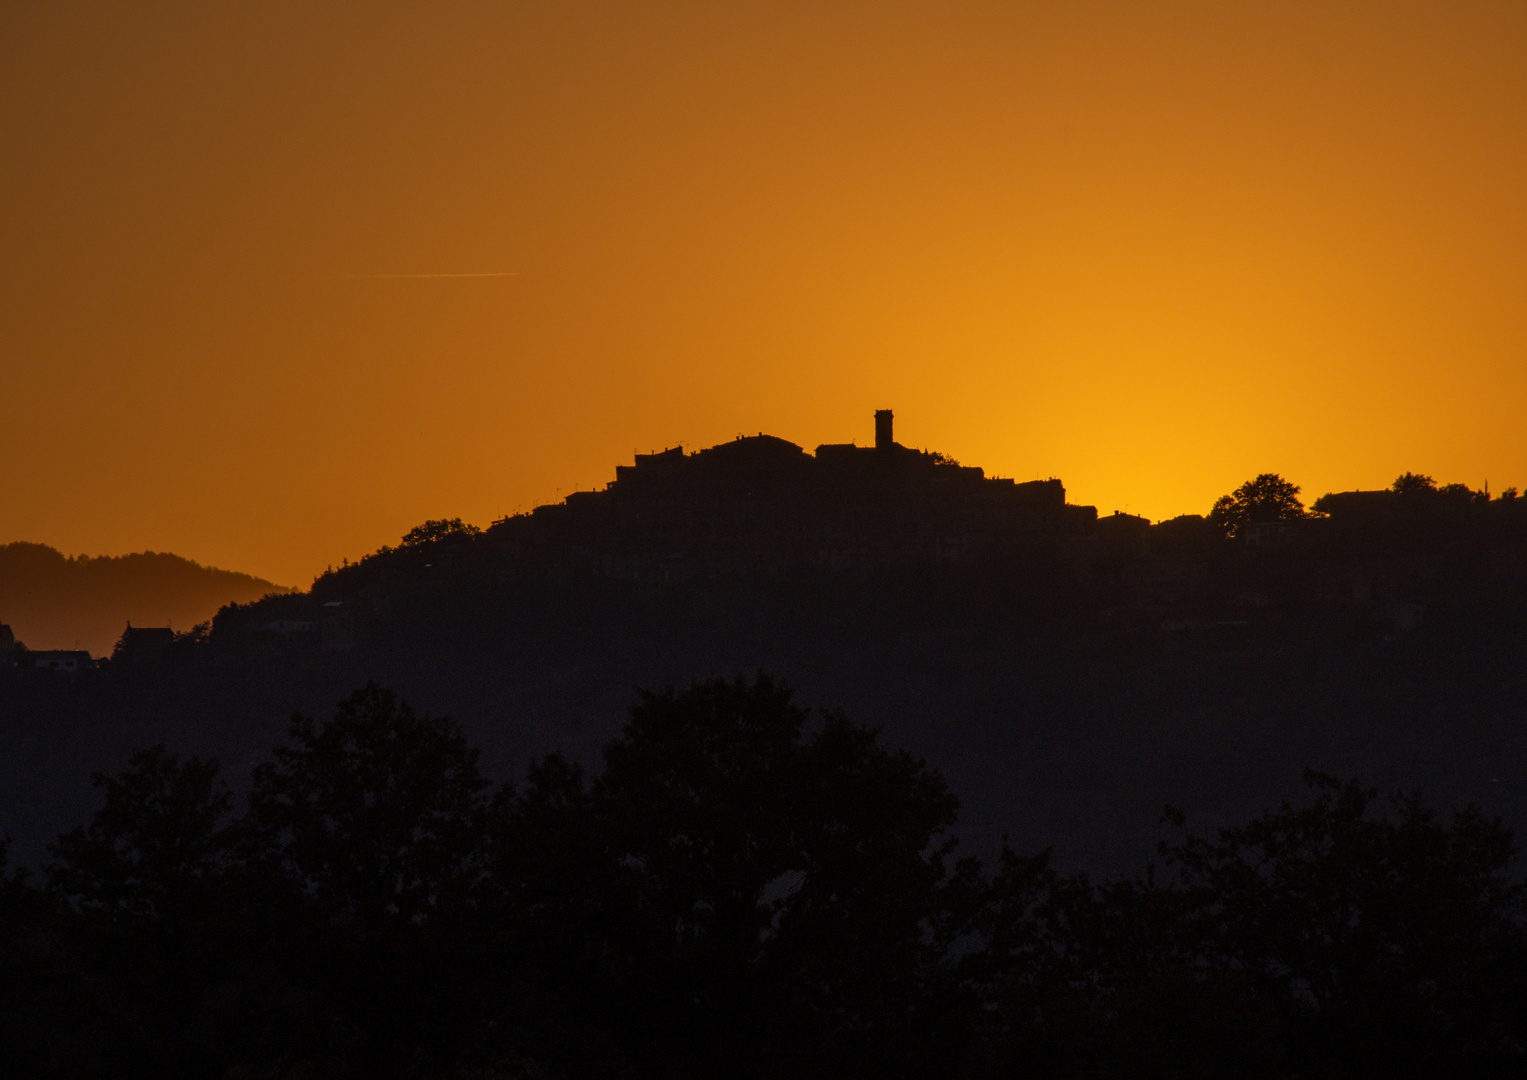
x=1149, y=248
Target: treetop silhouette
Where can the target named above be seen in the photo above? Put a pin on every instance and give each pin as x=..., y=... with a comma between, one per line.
x=744, y=889
x=435, y=530
x=1267, y=497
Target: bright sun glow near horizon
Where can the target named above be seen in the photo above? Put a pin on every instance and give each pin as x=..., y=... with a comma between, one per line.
x=283, y=280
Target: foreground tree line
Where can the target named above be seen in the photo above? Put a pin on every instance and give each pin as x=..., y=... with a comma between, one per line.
x=743, y=890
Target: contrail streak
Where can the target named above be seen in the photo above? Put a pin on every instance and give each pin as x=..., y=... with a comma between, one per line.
x=356, y=277
x=362, y=277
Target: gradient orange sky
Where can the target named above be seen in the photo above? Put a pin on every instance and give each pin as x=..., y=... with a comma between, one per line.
x=1150, y=248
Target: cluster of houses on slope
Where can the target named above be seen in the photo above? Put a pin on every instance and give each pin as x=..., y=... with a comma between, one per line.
x=139, y=646
x=331, y=626
x=332, y=629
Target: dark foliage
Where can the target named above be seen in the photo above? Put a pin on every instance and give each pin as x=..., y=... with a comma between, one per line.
x=1265, y=498
x=739, y=893
x=1382, y=944
x=744, y=890
x=437, y=529
x=1326, y=940
x=376, y=815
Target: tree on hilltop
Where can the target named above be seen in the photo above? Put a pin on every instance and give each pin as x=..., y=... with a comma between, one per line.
x=437, y=529
x=1416, y=486
x=1409, y=483
x=1268, y=497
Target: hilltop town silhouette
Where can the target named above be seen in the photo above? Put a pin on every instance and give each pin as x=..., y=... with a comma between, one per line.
x=682, y=875
x=760, y=503
x=890, y=523
x=761, y=509
x=989, y=624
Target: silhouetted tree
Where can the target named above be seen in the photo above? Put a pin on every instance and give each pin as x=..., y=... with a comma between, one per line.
x=1267, y=497
x=1322, y=940
x=1098, y=979
x=37, y=976
x=376, y=820
x=765, y=893
x=158, y=845
x=1461, y=495
x=437, y=529
x=191, y=645
x=378, y=812
x=150, y=879
x=1386, y=944
x=1413, y=484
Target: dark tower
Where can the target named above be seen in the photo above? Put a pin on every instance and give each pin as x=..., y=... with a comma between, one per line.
x=883, y=440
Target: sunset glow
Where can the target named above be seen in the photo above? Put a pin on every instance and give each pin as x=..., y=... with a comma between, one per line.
x=281, y=281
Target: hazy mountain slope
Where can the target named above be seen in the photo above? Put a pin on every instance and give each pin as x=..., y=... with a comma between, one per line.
x=52, y=601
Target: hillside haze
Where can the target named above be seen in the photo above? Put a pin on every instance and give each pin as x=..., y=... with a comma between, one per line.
x=52, y=601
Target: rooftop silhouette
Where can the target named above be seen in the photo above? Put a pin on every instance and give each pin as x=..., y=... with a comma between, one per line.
x=762, y=502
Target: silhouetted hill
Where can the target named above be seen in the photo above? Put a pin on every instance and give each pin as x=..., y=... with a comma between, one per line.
x=1069, y=674
x=52, y=601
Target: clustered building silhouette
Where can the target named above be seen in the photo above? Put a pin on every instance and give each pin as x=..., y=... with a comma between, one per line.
x=138, y=647
x=762, y=504
x=762, y=507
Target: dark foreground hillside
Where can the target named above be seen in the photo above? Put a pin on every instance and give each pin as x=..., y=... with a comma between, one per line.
x=1068, y=675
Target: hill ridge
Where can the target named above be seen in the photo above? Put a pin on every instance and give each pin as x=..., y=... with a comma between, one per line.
x=53, y=600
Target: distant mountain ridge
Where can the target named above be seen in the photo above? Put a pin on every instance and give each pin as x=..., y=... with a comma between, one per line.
x=54, y=601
